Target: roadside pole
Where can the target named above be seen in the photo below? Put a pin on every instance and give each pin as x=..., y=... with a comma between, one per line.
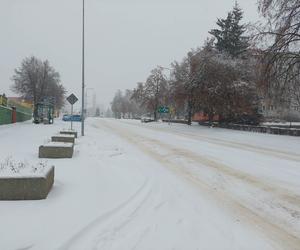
x=71, y=116
x=72, y=99
x=83, y=73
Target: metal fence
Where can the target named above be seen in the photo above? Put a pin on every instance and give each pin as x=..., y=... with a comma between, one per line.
x=5, y=115
x=10, y=115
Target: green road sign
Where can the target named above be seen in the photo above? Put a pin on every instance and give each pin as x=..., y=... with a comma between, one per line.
x=164, y=110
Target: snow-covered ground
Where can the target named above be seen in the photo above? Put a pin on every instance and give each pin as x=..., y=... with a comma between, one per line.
x=157, y=186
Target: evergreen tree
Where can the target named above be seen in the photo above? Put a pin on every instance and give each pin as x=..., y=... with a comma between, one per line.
x=230, y=35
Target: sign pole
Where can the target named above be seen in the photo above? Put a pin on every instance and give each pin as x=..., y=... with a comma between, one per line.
x=72, y=99
x=72, y=117
x=83, y=73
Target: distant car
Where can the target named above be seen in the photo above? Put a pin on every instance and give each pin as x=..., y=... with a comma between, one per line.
x=147, y=118
x=74, y=118
x=66, y=118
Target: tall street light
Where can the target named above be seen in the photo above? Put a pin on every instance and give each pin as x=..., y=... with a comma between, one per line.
x=82, y=97
x=86, y=100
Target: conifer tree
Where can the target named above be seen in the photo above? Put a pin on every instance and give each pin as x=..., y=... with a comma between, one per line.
x=230, y=35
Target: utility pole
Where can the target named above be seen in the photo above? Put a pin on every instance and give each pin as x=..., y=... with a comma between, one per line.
x=86, y=100
x=82, y=98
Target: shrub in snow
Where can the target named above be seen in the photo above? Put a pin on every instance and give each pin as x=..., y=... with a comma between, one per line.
x=11, y=167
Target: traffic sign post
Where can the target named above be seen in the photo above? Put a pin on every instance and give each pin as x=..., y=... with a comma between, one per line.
x=72, y=99
x=72, y=117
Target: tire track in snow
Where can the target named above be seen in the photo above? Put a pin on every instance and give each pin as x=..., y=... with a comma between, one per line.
x=26, y=248
x=81, y=236
x=284, y=194
x=105, y=239
x=282, y=237
x=226, y=143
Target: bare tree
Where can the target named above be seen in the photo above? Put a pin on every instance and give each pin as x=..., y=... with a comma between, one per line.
x=124, y=106
x=26, y=79
x=116, y=105
x=153, y=92
x=178, y=86
x=281, y=35
x=223, y=85
x=184, y=84
x=36, y=79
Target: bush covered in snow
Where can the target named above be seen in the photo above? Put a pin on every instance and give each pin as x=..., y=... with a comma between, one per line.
x=11, y=167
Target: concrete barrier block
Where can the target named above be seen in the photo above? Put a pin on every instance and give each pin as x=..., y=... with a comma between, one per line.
x=69, y=132
x=56, y=150
x=27, y=188
x=63, y=138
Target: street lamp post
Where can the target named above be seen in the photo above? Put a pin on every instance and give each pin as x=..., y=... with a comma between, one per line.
x=82, y=104
x=86, y=99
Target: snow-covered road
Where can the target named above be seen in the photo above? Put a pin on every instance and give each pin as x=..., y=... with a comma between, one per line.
x=158, y=186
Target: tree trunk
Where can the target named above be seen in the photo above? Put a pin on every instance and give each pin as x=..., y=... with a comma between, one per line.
x=190, y=107
x=155, y=109
x=210, y=118
x=35, y=110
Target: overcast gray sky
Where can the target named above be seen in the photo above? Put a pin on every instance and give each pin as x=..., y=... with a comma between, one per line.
x=125, y=39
